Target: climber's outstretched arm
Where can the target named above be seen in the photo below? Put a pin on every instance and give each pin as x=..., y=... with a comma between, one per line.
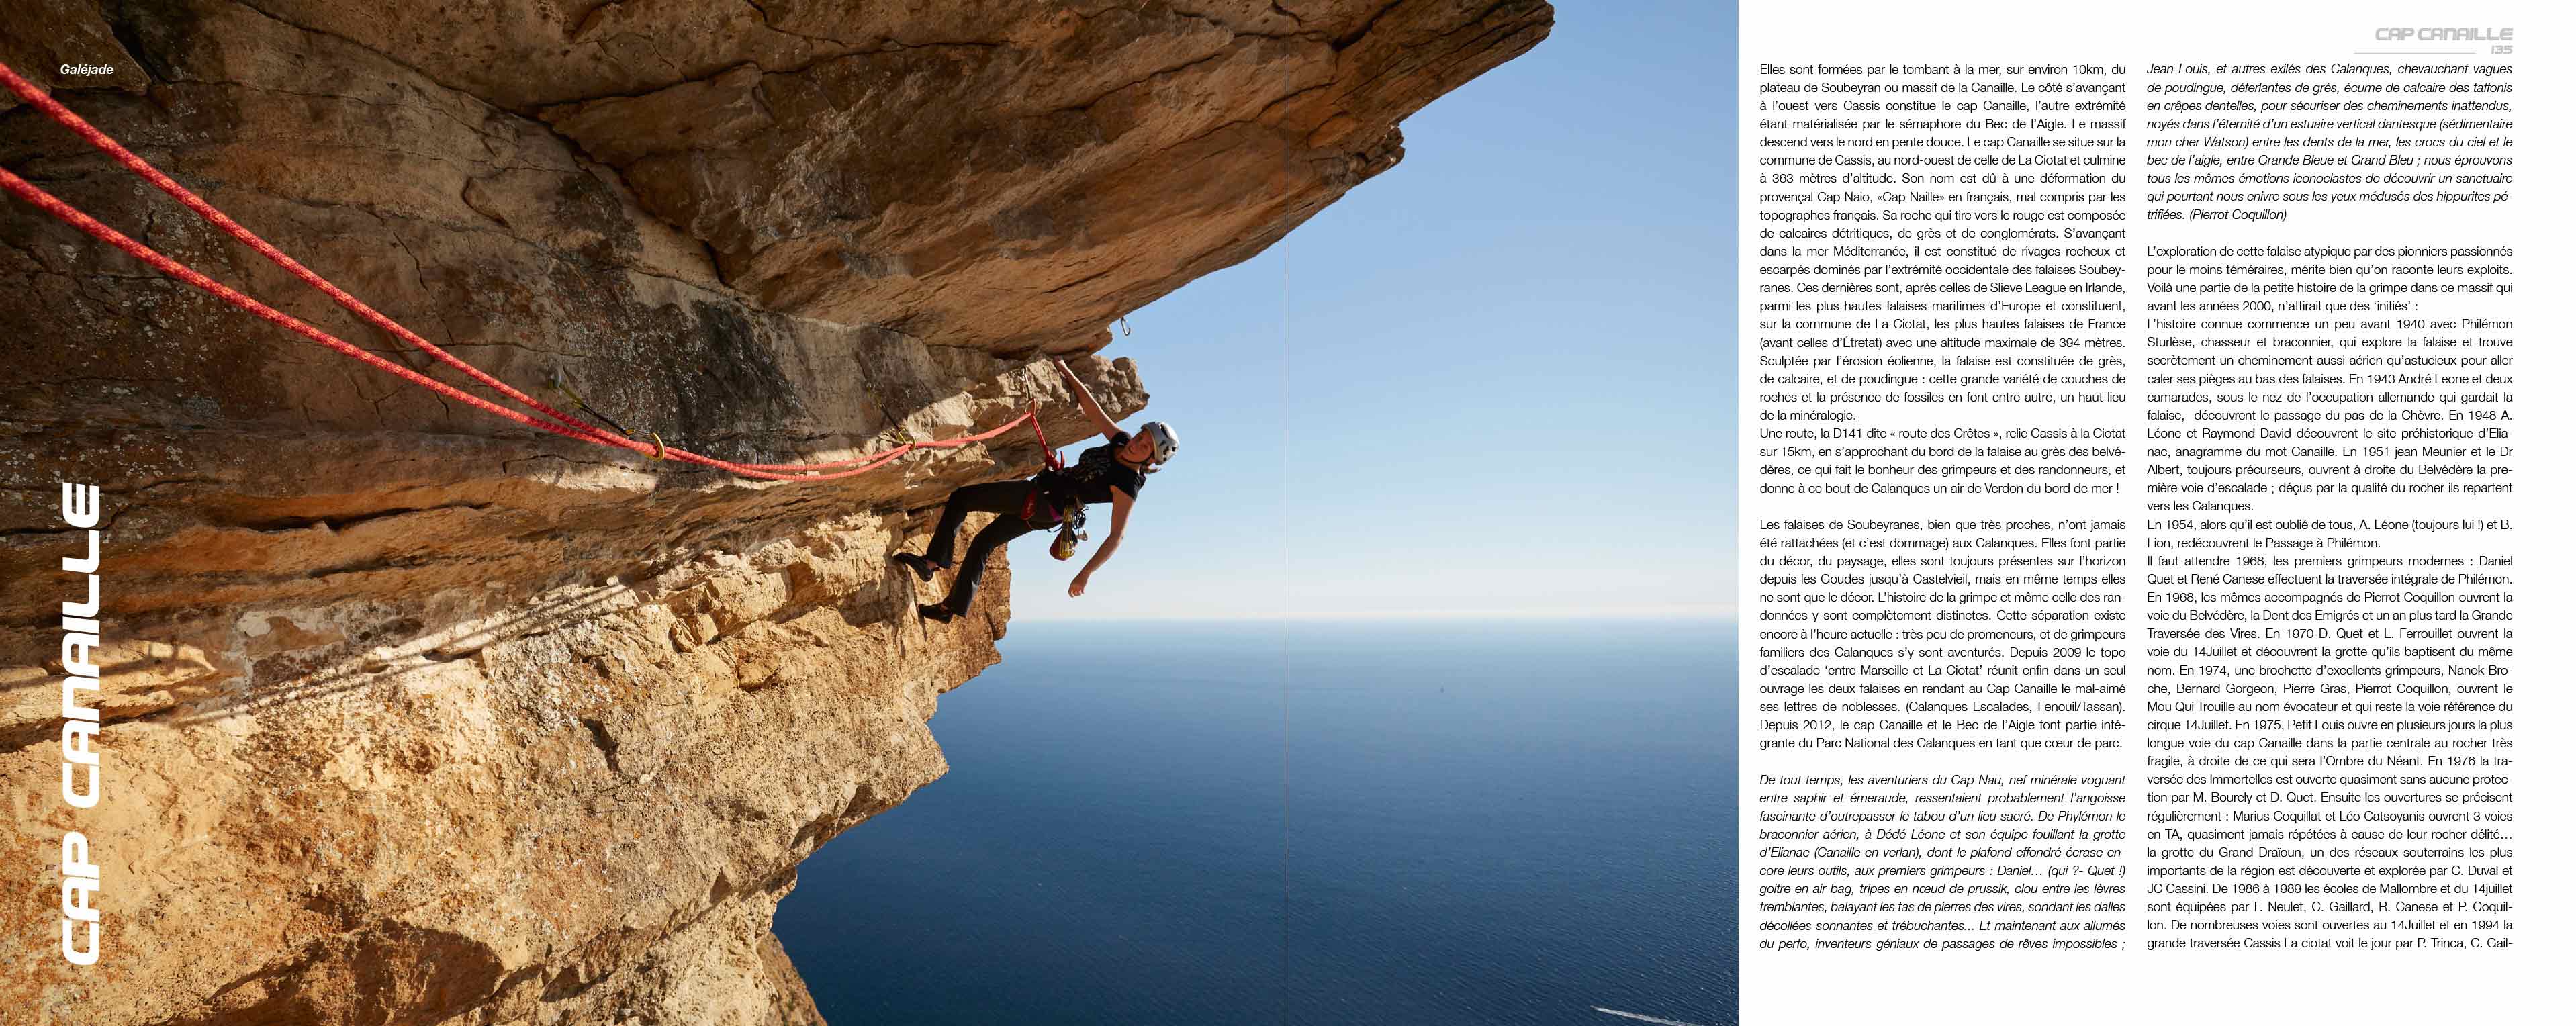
x=1099, y=418
x=1120, y=503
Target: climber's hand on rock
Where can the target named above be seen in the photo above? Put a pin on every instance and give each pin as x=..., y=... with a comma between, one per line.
x=1080, y=581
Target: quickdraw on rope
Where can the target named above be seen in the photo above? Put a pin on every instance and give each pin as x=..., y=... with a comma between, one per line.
x=558, y=422
x=555, y=378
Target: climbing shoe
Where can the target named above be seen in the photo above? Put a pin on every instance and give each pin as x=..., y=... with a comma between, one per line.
x=921, y=566
x=936, y=613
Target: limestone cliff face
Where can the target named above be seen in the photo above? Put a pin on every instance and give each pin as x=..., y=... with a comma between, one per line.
x=417, y=716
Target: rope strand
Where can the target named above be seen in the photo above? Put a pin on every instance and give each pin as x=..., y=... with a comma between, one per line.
x=560, y=423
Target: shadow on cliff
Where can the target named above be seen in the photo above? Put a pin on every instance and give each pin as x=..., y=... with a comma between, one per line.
x=394, y=974
x=288, y=679
x=285, y=680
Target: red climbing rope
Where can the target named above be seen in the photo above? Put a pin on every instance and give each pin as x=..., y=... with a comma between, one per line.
x=1053, y=461
x=560, y=423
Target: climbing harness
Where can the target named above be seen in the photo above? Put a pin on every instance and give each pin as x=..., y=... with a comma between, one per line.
x=1069, y=515
x=557, y=422
x=1069, y=519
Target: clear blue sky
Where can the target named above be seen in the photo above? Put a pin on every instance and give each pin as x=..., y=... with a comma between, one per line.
x=1509, y=377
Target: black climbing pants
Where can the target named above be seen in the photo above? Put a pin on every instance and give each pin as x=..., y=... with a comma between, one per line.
x=1007, y=498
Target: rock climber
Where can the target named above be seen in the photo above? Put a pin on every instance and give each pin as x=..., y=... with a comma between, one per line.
x=1112, y=472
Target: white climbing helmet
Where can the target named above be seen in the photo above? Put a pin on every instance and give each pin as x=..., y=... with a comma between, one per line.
x=1165, y=442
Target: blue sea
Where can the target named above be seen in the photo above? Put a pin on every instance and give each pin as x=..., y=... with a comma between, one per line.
x=1498, y=822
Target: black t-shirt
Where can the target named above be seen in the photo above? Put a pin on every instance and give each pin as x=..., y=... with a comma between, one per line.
x=1090, y=477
